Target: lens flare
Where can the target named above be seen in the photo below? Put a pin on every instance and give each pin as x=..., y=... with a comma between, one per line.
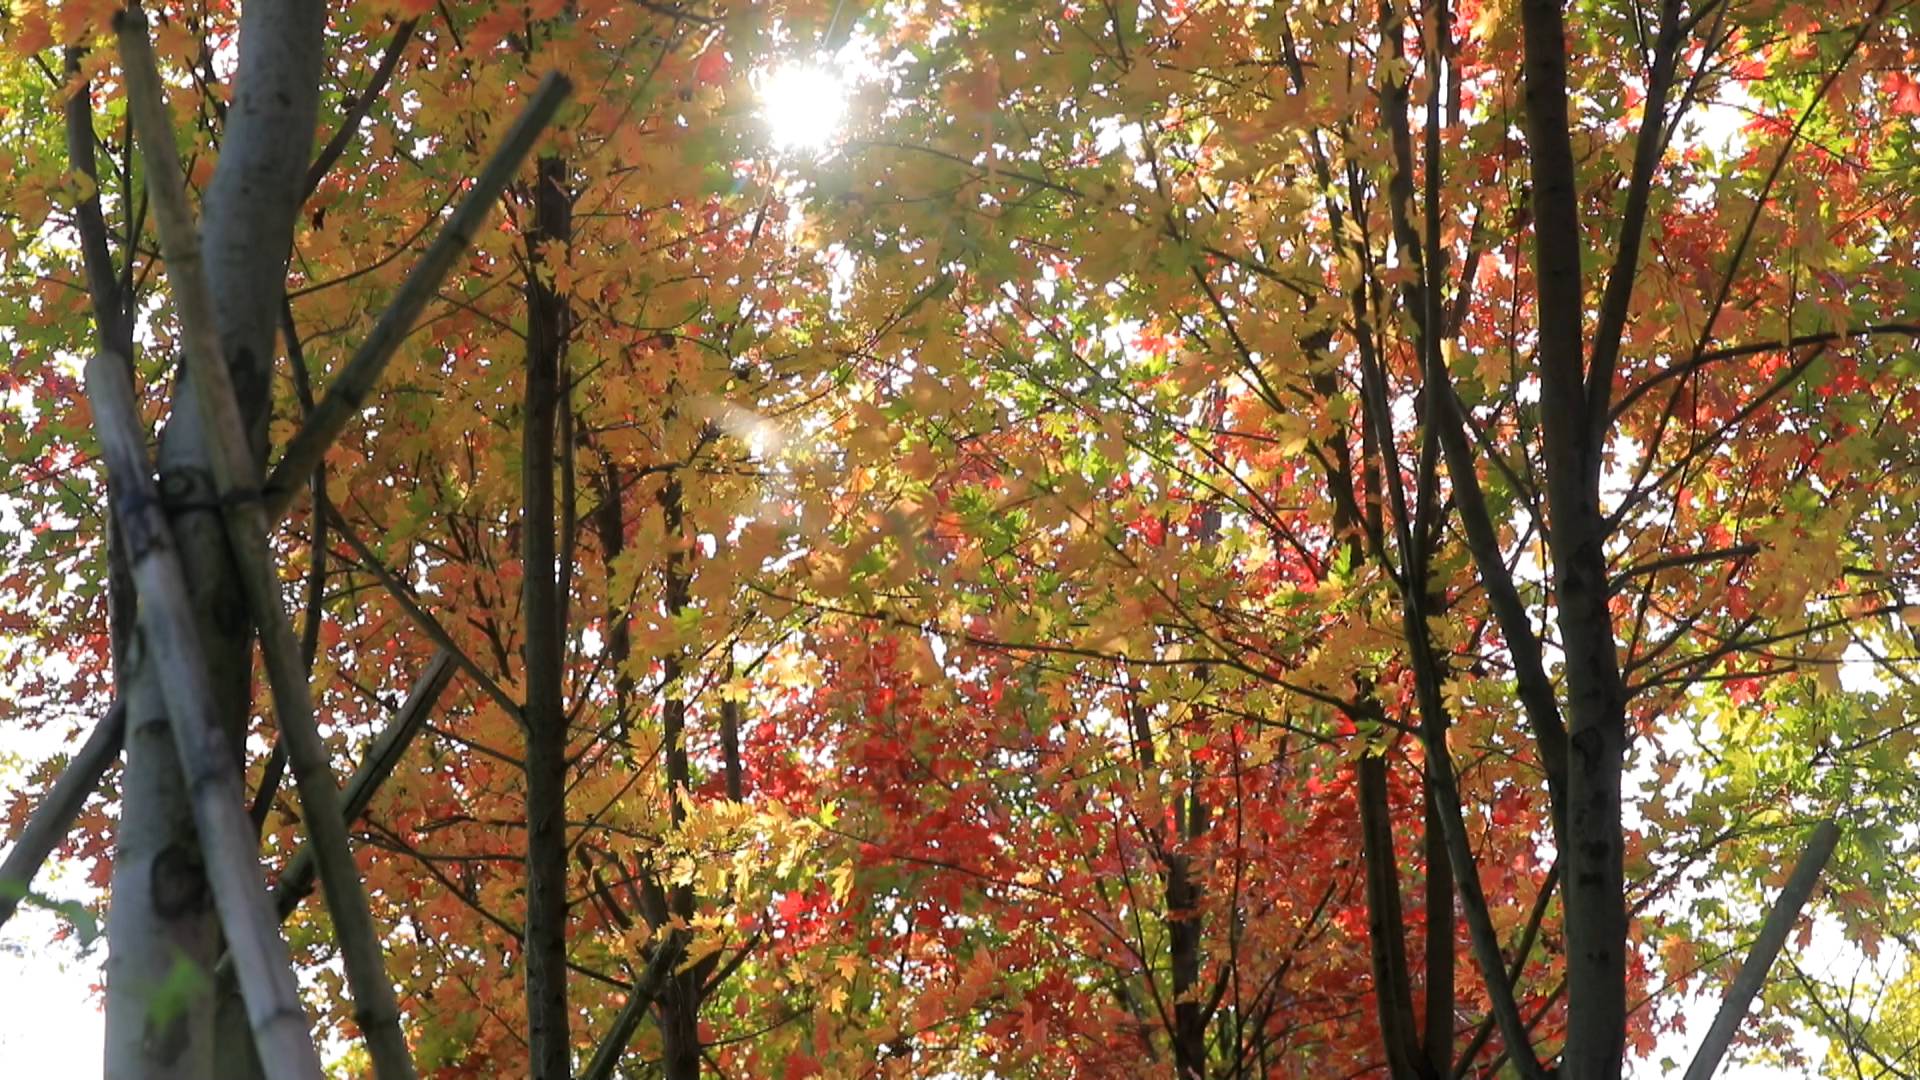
x=804, y=105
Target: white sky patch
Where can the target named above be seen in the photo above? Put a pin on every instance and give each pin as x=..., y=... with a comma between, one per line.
x=54, y=1025
x=1718, y=122
x=1112, y=133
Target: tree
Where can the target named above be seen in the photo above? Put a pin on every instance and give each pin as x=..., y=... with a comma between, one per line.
x=1184, y=134
x=1174, y=540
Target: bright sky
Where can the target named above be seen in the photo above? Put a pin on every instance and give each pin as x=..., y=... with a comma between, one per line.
x=52, y=1024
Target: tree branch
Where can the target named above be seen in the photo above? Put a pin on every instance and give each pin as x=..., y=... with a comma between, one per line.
x=1773, y=936
x=360, y=104
x=54, y=816
x=423, y=618
x=606, y=1056
x=350, y=388
x=296, y=881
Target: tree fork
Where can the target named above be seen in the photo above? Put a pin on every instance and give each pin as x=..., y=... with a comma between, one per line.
x=275, y=1014
x=56, y=814
x=235, y=474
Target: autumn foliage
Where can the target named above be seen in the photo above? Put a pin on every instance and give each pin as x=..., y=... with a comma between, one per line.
x=1207, y=539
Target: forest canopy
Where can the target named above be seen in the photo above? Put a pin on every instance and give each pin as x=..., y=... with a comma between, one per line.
x=1205, y=538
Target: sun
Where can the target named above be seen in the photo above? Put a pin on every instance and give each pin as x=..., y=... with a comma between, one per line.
x=804, y=104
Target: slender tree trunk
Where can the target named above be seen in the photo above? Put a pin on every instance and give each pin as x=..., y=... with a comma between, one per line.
x=1437, y=1040
x=1441, y=946
x=162, y=912
x=680, y=1004
x=545, y=712
x=1593, y=846
x=1183, y=894
x=113, y=329
x=1386, y=932
x=609, y=522
x=1595, y=890
x=730, y=743
x=1386, y=935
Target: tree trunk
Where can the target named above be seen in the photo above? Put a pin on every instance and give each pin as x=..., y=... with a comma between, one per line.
x=156, y=853
x=1183, y=935
x=1439, y=1018
x=545, y=712
x=162, y=930
x=1593, y=847
x=609, y=522
x=161, y=914
x=680, y=1004
x=1386, y=933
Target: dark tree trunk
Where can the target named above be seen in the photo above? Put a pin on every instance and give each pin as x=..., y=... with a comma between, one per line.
x=1592, y=843
x=680, y=1004
x=1386, y=932
x=545, y=711
x=1183, y=896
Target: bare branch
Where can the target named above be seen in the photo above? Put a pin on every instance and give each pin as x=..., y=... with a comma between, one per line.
x=54, y=816
x=1766, y=947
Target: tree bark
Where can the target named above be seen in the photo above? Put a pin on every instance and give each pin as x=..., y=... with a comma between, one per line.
x=1183, y=895
x=681, y=1001
x=544, y=713
x=160, y=915
x=1386, y=933
x=278, y=1023
x=160, y=911
x=1593, y=841
x=609, y=523
x=1437, y=1041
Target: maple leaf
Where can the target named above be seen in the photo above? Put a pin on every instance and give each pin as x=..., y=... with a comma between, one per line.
x=1903, y=92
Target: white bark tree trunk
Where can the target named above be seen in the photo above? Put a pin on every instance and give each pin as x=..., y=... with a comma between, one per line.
x=163, y=939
